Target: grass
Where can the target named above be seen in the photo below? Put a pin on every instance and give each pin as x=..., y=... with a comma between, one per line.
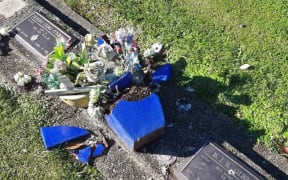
x=22, y=152
x=214, y=38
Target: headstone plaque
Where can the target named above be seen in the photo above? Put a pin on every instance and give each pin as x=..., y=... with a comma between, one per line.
x=38, y=34
x=214, y=162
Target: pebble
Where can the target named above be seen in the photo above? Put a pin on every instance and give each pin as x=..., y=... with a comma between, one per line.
x=189, y=148
x=189, y=89
x=169, y=125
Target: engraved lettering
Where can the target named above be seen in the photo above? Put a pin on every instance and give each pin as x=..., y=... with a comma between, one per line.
x=240, y=174
x=226, y=176
x=205, y=158
x=227, y=164
x=24, y=34
x=215, y=155
x=36, y=28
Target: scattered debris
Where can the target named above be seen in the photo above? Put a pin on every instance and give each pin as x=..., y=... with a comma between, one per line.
x=162, y=74
x=73, y=145
x=104, y=141
x=57, y=135
x=87, y=154
x=182, y=106
x=246, y=66
x=190, y=148
x=169, y=125
x=242, y=25
x=166, y=159
x=121, y=83
x=165, y=170
x=189, y=89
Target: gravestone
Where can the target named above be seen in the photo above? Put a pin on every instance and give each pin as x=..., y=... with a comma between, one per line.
x=38, y=34
x=213, y=162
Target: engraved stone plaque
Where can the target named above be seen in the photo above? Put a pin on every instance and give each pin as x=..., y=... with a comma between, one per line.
x=38, y=34
x=214, y=162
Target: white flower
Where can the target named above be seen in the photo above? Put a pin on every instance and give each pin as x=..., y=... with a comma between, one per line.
x=105, y=52
x=120, y=34
x=156, y=47
x=18, y=75
x=22, y=79
x=4, y=31
x=94, y=71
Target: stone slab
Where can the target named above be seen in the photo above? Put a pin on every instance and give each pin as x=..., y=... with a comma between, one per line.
x=213, y=162
x=38, y=34
x=9, y=7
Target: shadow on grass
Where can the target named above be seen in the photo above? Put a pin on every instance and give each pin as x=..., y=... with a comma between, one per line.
x=203, y=122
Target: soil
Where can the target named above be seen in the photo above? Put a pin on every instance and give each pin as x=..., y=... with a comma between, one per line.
x=184, y=131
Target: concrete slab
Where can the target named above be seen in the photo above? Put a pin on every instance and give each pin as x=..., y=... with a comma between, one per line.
x=9, y=7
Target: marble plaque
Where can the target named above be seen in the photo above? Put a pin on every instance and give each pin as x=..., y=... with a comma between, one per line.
x=38, y=34
x=214, y=162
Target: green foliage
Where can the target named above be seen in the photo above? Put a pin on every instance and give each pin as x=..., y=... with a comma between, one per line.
x=214, y=38
x=61, y=62
x=22, y=152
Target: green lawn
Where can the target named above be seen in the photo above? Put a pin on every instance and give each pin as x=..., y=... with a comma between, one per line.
x=22, y=153
x=214, y=38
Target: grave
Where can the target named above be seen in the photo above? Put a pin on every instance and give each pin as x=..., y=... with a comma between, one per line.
x=213, y=162
x=38, y=34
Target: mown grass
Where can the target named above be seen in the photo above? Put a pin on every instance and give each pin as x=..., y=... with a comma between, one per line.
x=214, y=38
x=22, y=154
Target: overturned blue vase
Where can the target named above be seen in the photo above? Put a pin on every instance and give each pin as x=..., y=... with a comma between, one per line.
x=162, y=74
x=55, y=135
x=121, y=83
x=139, y=122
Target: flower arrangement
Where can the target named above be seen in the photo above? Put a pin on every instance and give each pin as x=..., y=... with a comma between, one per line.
x=99, y=61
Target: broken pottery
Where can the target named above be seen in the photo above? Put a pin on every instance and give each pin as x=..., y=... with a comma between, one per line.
x=89, y=153
x=56, y=135
x=137, y=123
x=162, y=74
x=121, y=83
